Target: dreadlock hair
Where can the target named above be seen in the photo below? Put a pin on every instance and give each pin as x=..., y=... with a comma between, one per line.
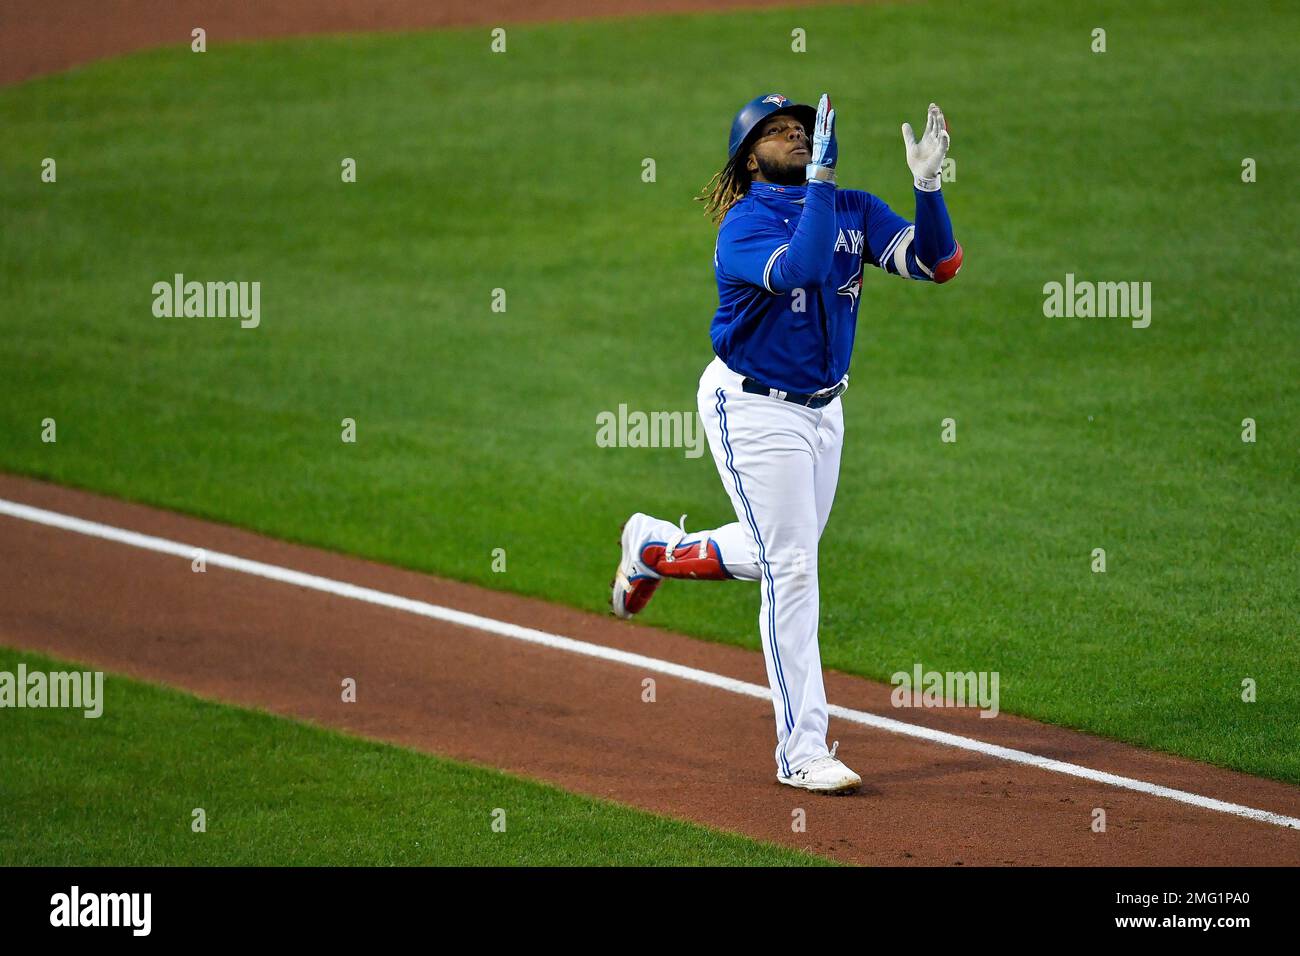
x=727, y=187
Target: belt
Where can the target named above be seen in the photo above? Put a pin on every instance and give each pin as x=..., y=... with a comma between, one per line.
x=816, y=400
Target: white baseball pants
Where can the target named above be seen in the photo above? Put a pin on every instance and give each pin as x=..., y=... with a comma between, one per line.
x=780, y=463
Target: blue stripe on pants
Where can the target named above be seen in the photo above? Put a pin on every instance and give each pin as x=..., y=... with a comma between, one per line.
x=767, y=574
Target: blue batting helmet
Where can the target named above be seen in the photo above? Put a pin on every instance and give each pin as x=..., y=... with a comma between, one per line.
x=759, y=109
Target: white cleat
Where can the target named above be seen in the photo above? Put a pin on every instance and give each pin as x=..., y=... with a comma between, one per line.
x=824, y=775
x=635, y=583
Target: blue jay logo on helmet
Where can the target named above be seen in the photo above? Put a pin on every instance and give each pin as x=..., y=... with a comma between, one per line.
x=745, y=125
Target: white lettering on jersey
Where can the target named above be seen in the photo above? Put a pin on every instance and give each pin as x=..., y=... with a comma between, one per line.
x=852, y=243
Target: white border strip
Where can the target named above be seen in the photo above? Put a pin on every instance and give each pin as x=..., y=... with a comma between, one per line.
x=767, y=269
x=883, y=261
x=900, y=253
x=462, y=619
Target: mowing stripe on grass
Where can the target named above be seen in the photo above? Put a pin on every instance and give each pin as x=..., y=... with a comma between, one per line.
x=314, y=582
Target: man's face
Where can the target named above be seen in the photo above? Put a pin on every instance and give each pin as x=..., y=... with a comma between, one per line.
x=780, y=152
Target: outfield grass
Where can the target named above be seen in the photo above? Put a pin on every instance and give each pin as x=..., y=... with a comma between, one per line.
x=120, y=790
x=522, y=171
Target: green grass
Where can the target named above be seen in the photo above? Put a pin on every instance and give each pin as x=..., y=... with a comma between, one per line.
x=476, y=430
x=120, y=790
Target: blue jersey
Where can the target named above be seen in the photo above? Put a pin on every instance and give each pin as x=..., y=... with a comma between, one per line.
x=789, y=263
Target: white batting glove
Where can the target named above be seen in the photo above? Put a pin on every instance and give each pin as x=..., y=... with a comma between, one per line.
x=926, y=157
x=825, y=148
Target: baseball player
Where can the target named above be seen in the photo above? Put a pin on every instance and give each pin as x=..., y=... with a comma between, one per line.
x=789, y=262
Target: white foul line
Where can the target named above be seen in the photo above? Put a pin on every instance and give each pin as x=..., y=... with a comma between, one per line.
x=424, y=609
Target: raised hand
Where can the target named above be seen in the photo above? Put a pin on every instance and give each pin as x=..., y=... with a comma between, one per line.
x=825, y=150
x=925, y=158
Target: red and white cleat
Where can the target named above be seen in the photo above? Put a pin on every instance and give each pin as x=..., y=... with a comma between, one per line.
x=654, y=549
x=635, y=582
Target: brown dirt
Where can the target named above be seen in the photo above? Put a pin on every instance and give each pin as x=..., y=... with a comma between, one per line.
x=696, y=753
x=42, y=36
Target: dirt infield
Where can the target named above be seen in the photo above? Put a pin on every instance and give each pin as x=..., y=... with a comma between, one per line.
x=49, y=35
x=696, y=753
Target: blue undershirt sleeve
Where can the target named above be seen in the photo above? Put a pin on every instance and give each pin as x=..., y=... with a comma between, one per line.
x=759, y=251
x=924, y=250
